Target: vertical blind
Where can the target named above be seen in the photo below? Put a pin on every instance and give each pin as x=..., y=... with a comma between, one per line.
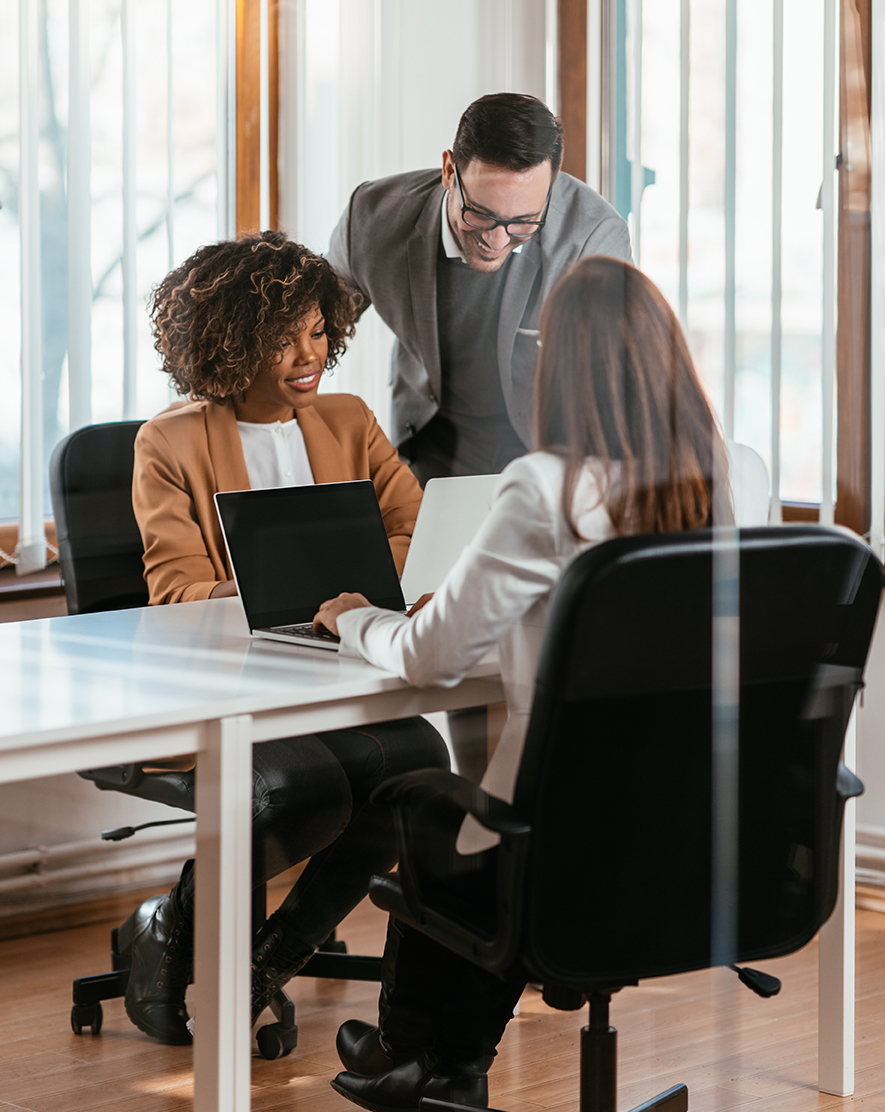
x=119, y=169
x=688, y=116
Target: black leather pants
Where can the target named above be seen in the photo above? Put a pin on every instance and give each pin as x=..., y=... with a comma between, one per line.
x=310, y=799
x=432, y=999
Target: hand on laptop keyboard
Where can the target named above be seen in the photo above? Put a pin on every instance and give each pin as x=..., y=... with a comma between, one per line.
x=305, y=629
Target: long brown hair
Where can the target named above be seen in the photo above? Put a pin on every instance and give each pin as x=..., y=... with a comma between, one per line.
x=615, y=381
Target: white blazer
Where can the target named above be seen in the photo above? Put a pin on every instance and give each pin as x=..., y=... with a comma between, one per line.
x=498, y=593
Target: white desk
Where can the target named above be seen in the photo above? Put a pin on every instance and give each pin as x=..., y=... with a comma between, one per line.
x=137, y=685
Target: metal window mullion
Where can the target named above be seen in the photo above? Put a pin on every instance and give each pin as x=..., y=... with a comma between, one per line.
x=551, y=54
x=730, y=214
x=828, y=207
x=777, y=164
x=684, y=90
x=31, y=554
x=79, y=216
x=301, y=122
x=636, y=171
x=170, y=140
x=377, y=88
x=595, y=71
x=130, y=234
x=506, y=38
x=225, y=119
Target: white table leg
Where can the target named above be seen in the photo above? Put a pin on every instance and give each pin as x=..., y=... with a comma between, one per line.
x=224, y=877
x=836, y=963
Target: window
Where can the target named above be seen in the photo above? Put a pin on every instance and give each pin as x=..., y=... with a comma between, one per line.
x=124, y=188
x=714, y=127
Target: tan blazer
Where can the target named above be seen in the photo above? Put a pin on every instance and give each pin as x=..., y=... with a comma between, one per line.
x=187, y=453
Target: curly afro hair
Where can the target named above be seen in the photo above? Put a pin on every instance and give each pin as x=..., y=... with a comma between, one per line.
x=225, y=313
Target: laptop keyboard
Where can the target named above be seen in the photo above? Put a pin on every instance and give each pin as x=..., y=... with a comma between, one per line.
x=305, y=629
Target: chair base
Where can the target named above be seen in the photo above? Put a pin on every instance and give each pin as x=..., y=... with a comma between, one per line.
x=599, y=1069
x=673, y=1100
x=275, y=1040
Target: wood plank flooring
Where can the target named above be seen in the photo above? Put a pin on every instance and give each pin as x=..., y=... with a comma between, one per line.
x=733, y=1050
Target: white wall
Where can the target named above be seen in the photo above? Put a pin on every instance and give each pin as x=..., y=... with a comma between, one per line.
x=871, y=717
x=376, y=87
x=871, y=764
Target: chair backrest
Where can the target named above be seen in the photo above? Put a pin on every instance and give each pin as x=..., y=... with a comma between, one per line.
x=99, y=545
x=750, y=485
x=617, y=770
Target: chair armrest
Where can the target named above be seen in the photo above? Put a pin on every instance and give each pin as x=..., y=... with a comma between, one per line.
x=412, y=789
x=847, y=784
x=429, y=807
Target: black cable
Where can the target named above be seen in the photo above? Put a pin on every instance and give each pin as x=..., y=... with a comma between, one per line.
x=127, y=831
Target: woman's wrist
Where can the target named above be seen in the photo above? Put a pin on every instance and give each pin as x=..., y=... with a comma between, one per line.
x=223, y=590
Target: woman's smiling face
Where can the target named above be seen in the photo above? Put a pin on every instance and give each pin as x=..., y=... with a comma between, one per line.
x=291, y=382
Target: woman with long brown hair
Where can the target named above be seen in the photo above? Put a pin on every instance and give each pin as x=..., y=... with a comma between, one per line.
x=626, y=443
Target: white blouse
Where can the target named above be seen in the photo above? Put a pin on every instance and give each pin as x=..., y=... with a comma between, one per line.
x=498, y=593
x=275, y=454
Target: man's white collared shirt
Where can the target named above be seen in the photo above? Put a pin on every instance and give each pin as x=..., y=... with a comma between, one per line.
x=449, y=243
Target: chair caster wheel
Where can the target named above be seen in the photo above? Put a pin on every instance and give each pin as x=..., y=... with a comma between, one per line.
x=275, y=1041
x=86, y=1015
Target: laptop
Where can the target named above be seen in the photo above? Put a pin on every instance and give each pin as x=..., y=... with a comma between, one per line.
x=452, y=510
x=291, y=548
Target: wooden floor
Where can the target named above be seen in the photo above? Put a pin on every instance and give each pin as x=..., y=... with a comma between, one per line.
x=732, y=1049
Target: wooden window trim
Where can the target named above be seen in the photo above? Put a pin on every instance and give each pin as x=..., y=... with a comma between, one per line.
x=794, y=512
x=853, y=430
x=248, y=114
x=572, y=71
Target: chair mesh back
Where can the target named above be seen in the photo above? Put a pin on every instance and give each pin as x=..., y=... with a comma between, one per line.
x=99, y=545
x=616, y=776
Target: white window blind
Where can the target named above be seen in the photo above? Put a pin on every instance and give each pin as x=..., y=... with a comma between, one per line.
x=720, y=148
x=116, y=152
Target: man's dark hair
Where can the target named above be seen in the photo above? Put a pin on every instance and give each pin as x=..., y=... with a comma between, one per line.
x=510, y=130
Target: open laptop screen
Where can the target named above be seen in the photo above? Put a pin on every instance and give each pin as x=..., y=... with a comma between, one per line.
x=294, y=547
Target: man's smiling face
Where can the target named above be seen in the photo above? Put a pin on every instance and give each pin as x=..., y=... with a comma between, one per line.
x=499, y=193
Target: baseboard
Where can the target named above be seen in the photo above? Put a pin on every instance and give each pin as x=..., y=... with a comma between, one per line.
x=79, y=912
x=869, y=899
x=85, y=910
x=870, y=858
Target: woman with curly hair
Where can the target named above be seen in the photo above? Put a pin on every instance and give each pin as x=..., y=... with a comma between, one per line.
x=246, y=329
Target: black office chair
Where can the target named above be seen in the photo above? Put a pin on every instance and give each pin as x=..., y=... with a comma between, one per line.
x=99, y=545
x=100, y=552
x=617, y=769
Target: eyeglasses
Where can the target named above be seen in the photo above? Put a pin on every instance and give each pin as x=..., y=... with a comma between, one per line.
x=516, y=229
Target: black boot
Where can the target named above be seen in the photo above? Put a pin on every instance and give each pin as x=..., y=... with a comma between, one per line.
x=276, y=957
x=158, y=939
x=362, y=1049
x=402, y=1088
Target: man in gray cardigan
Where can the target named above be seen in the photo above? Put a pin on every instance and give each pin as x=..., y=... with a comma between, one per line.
x=458, y=265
